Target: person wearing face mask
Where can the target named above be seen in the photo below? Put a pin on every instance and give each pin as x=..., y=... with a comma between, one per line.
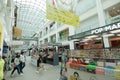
x=1, y=67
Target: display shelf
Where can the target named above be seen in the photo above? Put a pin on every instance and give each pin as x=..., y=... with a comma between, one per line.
x=104, y=58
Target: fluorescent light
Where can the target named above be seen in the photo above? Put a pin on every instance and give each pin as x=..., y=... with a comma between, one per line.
x=118, y=34
x=115, y=31
x=98, y=38
x=86, y=39
x=82, y=41
x=108, y=35
x=93, y=36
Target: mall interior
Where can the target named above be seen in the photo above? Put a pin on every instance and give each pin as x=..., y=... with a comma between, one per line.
x=60, y=39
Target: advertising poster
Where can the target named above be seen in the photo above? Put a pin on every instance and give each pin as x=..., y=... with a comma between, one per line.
x=62, y=11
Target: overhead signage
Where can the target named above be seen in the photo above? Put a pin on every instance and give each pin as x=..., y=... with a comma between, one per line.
x=110, y=27
x=17, y=31
x=106, y=28
x=55, y=13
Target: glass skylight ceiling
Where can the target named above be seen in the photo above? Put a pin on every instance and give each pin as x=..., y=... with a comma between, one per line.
x=31, y=16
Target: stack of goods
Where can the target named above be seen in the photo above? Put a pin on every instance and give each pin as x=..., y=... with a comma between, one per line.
x=117, y=72
x=91, y=67
x=100, y=70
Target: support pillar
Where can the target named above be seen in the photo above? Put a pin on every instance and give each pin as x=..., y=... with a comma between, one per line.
x=71, y=32
x=102, y=22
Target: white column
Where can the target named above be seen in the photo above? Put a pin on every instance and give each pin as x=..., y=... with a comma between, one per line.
x=106, y=42
x=101, y=17
x=72, y=45
x=57, y=37
x=49, y=39
x=71, y=32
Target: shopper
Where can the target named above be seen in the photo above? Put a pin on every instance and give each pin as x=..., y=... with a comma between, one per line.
x=63, y=62
x=16, y=65
x=44, y=56
x=1, y=67
x=22, y=61
x=39, y=61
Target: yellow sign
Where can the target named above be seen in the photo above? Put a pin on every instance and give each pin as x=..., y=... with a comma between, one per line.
x=1, y=38
x=61, y=15
x=0, y=27
x=17, y=31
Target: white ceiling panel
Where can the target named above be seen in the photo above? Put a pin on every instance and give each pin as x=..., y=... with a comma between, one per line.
x=31, y=15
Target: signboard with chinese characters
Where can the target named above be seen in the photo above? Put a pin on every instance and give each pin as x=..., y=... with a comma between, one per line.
x=56, y=13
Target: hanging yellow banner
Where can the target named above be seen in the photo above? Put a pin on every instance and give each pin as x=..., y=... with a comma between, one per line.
x=17, y=31
x=56, y=13
x=1, y=38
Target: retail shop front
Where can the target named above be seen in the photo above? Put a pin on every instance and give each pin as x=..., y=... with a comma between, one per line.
x=95, y=36
x=93, y=56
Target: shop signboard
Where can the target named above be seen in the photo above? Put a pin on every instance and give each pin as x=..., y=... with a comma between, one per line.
x=56, y=13
x=106, y=28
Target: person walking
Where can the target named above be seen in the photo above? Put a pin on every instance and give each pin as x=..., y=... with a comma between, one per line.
x=1, y=67
x=16, y=65
x=39, y=61
x=22, y=61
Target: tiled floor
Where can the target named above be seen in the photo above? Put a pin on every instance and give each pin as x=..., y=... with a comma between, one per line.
x=52, y=73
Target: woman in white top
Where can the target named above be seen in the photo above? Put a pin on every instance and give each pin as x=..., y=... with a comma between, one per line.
x=16, y=65
x=22, y=61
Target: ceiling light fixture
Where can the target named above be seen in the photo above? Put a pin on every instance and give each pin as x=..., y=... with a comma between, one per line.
x=108, y=35
x=93, y=36
x=98, y=38
x=86, y=39
x=115, y=31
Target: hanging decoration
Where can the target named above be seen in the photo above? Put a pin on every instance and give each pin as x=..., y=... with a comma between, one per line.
x=63, y=14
